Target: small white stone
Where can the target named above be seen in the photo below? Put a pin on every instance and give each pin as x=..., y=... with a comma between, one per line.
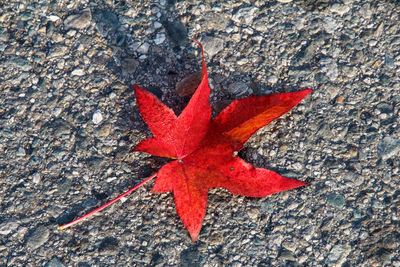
x=21, y=152
x=212, y=45
x=36, y=178
x=273, y=79
x=383, y=116
x=160, y=38
x=242, y=61
x=78, y=72
x=53, y=18
x=372, y=42
x=229, y=29
x=284, y=1
x=144, y=48
x=97, y=117
x=157, y=25
x=248, y=30
x=340, y=9
x=109, y=180
x=297, y=166
x=71, y=33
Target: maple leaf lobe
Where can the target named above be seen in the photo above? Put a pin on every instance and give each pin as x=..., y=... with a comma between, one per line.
x=243, y=117
x=177, y=136
x=160, y=120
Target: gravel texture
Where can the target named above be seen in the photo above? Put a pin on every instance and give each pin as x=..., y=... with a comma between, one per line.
x=69, y=119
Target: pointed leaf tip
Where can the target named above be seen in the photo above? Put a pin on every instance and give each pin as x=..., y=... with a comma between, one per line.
x=201, y=46
x=307, y=91
x=203, y=59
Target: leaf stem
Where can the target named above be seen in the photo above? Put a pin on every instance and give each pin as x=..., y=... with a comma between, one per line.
x=63, y=227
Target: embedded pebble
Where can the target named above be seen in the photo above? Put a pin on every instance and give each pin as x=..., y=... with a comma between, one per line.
x=20, y=63
x=36, y=178
x=273, y=79
x=54, y=262
x=245, y=15
x=238, y=88
x=79, y=21
x=160, y=38
x=335, y=253
x=64, y=186
x=97, y=117
x=389, y=61
x=21, y=152
x=109, y=246
x=388, y=147
x=212, y=45
x=330, y=24
x=53, y=18
x=129, y=65
x=144, y=48
x=77, y=72
x=57, y=51
x=340, y=9
x=9, y=226
x=330, y=67
x=157, y=25
x=4, y=36
x=39, y=237
x=104, y=131
x=336, y=200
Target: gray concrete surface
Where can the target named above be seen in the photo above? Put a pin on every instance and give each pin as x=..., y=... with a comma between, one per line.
x=68, y=120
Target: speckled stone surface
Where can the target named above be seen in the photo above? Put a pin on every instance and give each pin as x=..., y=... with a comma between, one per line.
x=69, y=119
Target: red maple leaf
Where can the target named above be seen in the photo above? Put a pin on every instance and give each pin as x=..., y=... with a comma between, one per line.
x=203, y=149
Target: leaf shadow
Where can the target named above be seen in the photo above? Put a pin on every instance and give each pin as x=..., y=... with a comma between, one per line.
x=160, y=69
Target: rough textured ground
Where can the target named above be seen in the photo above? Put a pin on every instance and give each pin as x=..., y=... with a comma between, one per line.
x=68, y=119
